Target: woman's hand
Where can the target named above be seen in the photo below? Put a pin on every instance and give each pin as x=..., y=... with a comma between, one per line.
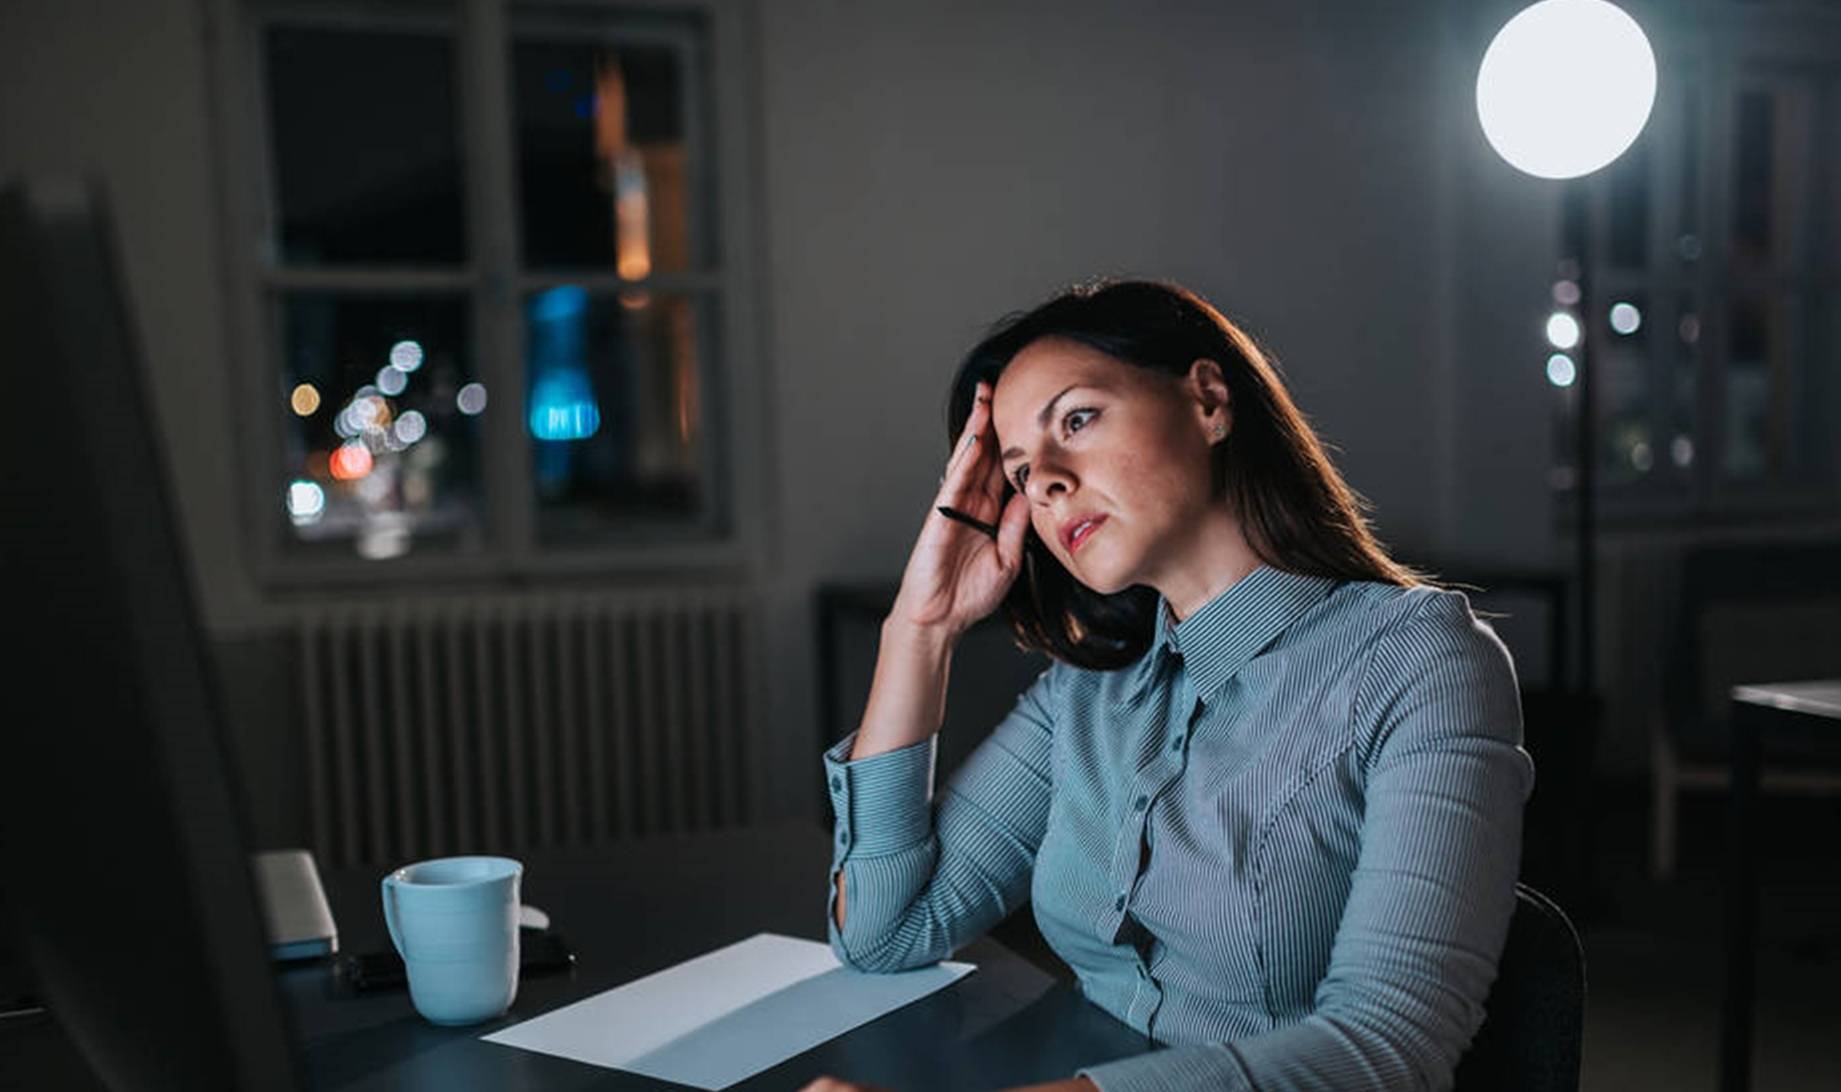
x=829, y=1083
x=832, y=1084
x=956, y=574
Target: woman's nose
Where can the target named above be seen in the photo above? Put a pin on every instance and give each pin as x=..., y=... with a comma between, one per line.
x=1048, y=479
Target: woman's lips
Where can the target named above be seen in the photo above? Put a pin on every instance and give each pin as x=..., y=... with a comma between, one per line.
x=1084, y=532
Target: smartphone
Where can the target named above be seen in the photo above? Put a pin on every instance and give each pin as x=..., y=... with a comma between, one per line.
x=540, y=951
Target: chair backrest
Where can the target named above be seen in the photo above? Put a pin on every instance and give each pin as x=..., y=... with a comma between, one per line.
x=1534, y=1025
x=1749, y=613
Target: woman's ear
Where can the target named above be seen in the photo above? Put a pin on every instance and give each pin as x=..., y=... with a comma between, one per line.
x=1213, y=404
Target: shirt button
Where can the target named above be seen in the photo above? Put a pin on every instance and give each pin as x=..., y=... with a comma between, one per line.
x=1140, y=803
x=1176, y=743
x=837, y=783
x=843, y=836
x=1119, y=903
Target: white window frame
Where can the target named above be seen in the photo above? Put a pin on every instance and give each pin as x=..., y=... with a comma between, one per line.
x=723, y=159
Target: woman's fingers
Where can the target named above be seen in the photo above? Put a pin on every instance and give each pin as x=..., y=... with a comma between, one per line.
x=994, y=483
x=1010, y=531
x=969, y=455
x=828, y=1083
x=972, y=437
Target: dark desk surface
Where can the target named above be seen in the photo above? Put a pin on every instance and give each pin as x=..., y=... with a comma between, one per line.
x=633, y=908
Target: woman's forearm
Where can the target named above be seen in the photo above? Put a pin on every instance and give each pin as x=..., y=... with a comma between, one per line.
x=907, y=699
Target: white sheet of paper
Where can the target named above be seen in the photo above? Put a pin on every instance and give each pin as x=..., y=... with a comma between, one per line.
x=725, y=1015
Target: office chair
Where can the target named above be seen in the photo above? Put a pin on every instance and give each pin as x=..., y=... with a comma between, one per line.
x=1534, y=1023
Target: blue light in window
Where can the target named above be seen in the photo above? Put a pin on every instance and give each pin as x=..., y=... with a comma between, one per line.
x=562, y=405
x=562, y=304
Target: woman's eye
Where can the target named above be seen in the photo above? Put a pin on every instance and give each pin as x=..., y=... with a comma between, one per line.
x=1067, y=423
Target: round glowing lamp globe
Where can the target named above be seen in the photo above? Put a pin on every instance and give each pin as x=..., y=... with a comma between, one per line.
x=1565, y=87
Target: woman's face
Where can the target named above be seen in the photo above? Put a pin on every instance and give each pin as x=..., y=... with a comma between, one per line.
x=1119, y=448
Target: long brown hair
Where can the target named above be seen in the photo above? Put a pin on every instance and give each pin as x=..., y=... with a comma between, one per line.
x=1293, y=506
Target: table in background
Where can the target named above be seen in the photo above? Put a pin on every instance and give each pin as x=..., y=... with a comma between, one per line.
x=1805, y=711
x=629, y=909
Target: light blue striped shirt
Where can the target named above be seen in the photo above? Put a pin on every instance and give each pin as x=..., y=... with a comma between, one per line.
x=1284, y=843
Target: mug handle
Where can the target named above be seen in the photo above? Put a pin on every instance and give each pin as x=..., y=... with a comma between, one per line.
x=389, y=894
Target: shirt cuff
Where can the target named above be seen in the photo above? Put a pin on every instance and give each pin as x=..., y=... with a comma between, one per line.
x=1198, y=1066
x=883, y=803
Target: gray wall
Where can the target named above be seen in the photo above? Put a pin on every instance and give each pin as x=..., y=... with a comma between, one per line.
x=1312, y=167
x=118, y=88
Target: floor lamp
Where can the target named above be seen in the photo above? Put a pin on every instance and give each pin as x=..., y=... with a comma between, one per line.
x=1566, y=87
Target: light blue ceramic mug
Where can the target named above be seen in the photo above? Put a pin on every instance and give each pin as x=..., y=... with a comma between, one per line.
x=454, y=920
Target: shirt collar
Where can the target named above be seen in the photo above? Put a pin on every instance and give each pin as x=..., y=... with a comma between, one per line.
x=1217, y=640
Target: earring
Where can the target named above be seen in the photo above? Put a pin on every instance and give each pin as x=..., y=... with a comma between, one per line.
x=1220, y=431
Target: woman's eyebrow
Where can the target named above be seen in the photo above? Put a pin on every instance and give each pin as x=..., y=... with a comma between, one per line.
x=1042, y=417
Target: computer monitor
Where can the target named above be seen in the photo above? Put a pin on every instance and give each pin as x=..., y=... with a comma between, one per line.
x=121, y=833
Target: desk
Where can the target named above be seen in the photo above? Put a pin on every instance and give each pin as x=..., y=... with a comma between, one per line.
x=1801, y=710
x=634, y=908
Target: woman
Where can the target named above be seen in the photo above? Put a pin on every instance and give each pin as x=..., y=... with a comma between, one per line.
x=1267, y=800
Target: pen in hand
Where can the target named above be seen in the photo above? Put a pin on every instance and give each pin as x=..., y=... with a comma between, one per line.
x=969, y=521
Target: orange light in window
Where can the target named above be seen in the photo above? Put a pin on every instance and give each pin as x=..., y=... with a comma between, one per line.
x=624, y=166
x=304, y=400
x=351, y=462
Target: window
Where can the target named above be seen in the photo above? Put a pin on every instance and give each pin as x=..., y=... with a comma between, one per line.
x=490, y=286
x=1715, y=318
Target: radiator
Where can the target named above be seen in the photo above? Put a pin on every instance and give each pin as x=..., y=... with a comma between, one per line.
x=498, y=724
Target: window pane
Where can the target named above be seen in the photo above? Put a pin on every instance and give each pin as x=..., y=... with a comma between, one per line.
x=367, y=158
x=1778, y=391
x=1683, y=408
x=614, y=409
x=382, y=444
x=1751, y=330
x=1688, y=243
x=1631, y=449
x=1829, y=141
x=1774, y=150
x=604, y=165
x=1629, y=209
x=1751, y=191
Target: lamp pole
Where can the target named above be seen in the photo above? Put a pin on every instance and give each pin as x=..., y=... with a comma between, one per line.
x=1585, y=452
